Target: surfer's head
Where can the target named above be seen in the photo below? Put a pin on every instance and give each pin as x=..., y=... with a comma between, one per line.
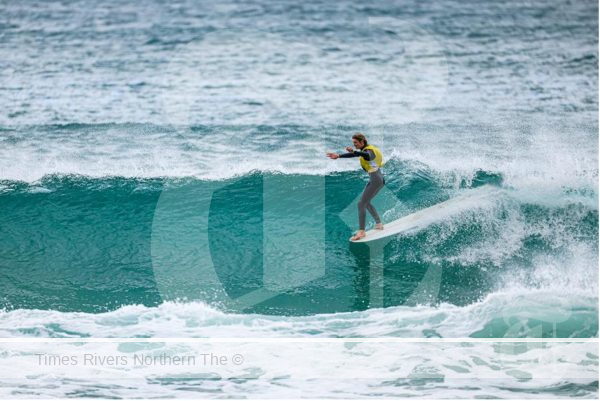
x=359, y=140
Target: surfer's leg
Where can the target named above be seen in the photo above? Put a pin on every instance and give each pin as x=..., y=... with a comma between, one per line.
x=362, y=205
x=376, y=182
x=374, y=213
x=371, y=209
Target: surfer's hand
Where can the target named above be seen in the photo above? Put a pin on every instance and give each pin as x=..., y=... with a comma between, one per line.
x=333, y=155
x=349, y=149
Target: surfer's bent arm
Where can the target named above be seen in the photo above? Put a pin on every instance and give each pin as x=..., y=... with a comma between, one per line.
x=368, y=155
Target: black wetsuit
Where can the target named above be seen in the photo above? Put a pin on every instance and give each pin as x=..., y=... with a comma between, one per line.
x=376, y=182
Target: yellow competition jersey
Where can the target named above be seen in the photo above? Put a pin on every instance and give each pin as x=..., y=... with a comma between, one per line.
x=371, y=165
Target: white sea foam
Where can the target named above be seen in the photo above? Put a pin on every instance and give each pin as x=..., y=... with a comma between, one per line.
x=505, y=227
x=196, y=319
x=540, y=163
x=349, y=370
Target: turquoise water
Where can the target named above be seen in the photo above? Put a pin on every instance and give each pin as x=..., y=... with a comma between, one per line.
x=163, y=174
x=89, y=243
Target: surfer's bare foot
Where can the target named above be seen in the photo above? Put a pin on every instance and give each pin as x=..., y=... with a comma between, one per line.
x=359, y=234
x=379, y=226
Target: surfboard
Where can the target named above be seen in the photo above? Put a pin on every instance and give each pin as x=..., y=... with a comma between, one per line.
x=429, y=215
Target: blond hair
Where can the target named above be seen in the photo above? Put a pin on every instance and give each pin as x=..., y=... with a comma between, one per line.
x=359, y=136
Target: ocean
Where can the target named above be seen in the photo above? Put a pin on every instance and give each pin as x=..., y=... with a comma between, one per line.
x=163, y=175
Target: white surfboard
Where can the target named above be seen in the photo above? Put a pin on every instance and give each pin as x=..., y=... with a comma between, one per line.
x=425, y=217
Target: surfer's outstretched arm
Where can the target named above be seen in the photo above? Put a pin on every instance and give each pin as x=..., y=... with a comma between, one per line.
x=368, y=155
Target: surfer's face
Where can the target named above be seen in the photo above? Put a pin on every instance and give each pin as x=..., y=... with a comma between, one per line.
x=357, y=143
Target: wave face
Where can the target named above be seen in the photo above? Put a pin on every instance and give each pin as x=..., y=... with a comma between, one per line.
x=94, y=245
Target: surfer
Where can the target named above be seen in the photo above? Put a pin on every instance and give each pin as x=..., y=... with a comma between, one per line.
x=371, y=160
